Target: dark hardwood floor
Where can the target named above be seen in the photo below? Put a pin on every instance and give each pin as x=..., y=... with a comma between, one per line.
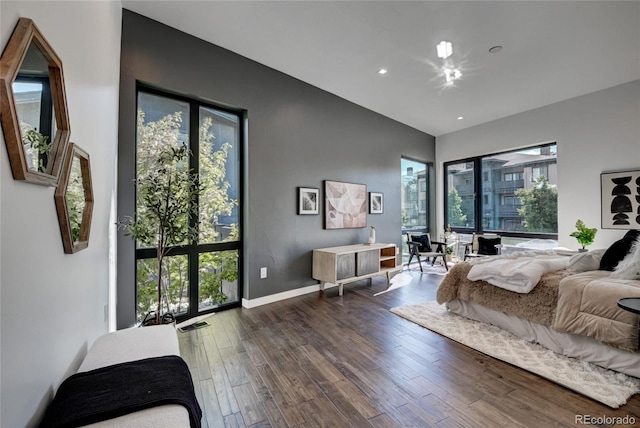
x=322, y=360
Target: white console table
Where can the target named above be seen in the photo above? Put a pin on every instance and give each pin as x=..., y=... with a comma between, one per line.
x=349, y=263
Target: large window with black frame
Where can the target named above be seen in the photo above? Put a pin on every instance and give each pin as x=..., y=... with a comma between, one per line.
x=512, y=193
x=414, y=198
x=201, y=273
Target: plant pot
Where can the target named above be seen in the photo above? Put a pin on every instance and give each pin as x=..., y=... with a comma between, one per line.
x=151, y=319
x=582, y=250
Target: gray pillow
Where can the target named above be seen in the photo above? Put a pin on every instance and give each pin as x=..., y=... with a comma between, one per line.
x=583, y=262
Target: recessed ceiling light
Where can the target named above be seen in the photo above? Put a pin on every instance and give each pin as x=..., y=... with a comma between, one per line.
x=452, y=74
x=495, y=49
x=382, y=71
x=444, y=49
x=460, y=118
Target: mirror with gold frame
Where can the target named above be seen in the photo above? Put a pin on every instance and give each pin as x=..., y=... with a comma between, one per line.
x=33, y=105
x=74, y=200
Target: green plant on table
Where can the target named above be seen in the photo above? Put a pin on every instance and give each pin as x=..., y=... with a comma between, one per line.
x=584, y=234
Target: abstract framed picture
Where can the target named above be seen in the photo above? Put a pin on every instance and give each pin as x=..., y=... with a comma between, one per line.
x=620, y=199
x=345, y=205
x=308, y=201
x=376, y=203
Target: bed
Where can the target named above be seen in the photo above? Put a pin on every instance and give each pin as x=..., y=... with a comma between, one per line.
x=133, y=350
x=568, y=304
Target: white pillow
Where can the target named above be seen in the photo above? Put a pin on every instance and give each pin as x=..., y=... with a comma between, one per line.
x=629, y=267
x=583, y=262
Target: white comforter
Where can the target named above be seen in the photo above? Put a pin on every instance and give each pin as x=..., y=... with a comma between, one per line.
x=518, y=272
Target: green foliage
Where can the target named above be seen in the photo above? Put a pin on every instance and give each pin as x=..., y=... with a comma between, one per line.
x=455, y=214
x=167, y=193
x=75, y=198
x=539, y=206
x=168, y=197
x=37, y=145
x=583, y=234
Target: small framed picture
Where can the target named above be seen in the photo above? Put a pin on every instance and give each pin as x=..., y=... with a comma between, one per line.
x=376, y=203
x=307, y=200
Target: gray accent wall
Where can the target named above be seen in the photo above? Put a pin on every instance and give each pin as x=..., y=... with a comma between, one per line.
x=297, y=135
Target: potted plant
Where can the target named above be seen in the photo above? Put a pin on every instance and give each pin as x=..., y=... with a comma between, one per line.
x=166, y=194
x=584, y=235
x=449, y=251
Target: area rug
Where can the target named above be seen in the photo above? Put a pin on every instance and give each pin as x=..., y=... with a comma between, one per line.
x=399, y=280
x=606, y=386
x=436, y=269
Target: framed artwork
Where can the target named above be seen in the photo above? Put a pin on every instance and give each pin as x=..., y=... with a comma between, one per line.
x=376, y=203
x=620, y=199
x=308, y=201
x=345, y=205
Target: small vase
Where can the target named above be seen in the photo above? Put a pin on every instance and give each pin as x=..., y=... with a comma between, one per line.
x=372, y=235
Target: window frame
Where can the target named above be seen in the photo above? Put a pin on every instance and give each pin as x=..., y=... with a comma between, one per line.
x=478, y=176
x=419, y=185
x=193, y=249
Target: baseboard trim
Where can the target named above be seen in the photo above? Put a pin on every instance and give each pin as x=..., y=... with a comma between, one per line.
x=260, y=301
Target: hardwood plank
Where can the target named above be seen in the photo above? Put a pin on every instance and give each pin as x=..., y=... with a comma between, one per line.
x=323, y=360
x=250, y=406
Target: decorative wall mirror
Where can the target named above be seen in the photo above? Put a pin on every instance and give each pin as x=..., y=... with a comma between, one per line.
x=74, y=200
x=33, y=106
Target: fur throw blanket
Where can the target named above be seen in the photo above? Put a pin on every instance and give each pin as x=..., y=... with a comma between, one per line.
x=538, y=306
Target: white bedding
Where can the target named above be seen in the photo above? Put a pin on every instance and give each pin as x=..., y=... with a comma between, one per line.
x=134, y=344
x=571, y=345
x=518, y=272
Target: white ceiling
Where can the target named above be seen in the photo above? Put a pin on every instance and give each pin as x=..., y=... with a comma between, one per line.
x=552, y=50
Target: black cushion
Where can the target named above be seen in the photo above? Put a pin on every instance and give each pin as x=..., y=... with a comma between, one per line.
x=487, y=246
x=618, y=250
x=423, y=240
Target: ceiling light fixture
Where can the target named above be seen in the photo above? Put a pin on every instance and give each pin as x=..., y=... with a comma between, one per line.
x=460, y=117
x=444, y=49
x=451, y=74
x=382, y=71
x=495, y=49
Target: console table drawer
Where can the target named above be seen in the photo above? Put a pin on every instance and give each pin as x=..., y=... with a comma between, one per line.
x=367, y=262
x=345, y=266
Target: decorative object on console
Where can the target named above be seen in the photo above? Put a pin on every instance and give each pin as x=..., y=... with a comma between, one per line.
x=584, y=234
x=345, y=205
x=307, y=201
x=372, y=235
x=36, y=132
x=620, y=199
x=376, y=203
x=74, y=200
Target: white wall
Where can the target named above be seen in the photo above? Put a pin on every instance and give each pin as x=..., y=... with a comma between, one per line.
x=595, y=132
x=52, y=304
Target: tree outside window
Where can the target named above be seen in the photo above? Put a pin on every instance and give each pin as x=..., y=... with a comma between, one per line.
x=199, y=273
